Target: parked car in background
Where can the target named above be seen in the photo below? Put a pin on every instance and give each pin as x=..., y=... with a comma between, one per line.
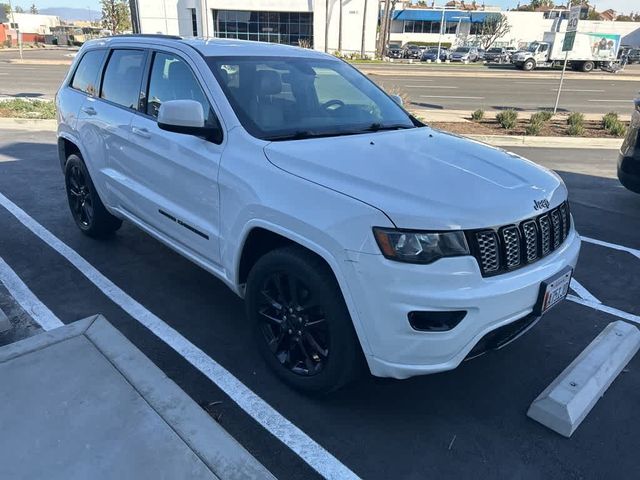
x=498, y=55
x=413, y=51
x=464, y=54
x=394, y=51
x=432, y=54
x=629, y=158
x=481, y=54
x=634, y=56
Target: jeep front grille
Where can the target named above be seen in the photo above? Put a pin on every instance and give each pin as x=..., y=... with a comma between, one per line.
x=509, y=247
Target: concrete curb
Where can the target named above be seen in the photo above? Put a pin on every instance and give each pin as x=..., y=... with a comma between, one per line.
x=36, y=61
x=220, y=452
x=28, y=124
x=549, y=142
x=419, y=72
x=495, y=140
x=564, y=404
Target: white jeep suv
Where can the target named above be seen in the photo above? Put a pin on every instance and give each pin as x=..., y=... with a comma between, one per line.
x=353, y=231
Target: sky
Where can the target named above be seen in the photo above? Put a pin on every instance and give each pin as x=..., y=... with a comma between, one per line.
x=622, y=6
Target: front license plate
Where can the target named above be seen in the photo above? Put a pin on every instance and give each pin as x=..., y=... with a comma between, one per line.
x=553, y=291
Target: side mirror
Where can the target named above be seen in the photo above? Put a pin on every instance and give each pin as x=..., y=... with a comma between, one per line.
x=397, y=99
x=185, y=116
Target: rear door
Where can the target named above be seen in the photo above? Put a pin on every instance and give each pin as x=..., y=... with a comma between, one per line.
x=104, y=122
x=172, y=177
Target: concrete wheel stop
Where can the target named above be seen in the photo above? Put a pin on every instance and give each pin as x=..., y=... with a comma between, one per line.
x=564, y=404
x=81, y=401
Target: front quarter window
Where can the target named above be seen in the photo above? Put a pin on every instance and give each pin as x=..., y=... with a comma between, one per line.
x=294, y=98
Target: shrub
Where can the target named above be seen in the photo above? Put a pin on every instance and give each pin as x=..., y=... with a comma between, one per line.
x=540, y=117
x=477, y=115
x=507, y=119
x=576, y=118
x=576, y=130
x=546, y=115
x=618, y=129
x=535, y=126
x=609, y=120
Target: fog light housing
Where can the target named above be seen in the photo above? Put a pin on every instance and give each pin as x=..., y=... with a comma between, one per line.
x=436, y=321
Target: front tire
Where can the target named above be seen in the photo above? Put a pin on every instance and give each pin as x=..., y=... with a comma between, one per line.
x=528, y=65
x=300, y=321
x=88, y=211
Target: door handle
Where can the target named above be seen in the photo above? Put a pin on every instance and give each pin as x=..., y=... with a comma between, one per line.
x=141, y=132
x=89, y=110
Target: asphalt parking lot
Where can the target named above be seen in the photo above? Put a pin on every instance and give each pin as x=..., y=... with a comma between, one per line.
x=466, y=423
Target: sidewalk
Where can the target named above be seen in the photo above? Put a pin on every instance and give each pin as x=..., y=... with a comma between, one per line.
x=81, y=401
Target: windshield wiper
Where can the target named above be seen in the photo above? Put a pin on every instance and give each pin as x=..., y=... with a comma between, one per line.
x=377, y=127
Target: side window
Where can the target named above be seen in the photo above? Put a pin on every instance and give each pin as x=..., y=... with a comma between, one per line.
x=172, y=79
x=122, y=78
x=86, y=75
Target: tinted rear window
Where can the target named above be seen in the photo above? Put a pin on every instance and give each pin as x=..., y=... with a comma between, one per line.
x=123, y=77
x=85, y=78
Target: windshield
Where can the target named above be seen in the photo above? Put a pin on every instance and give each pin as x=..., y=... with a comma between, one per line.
x=462, y=50
x=533, y=47
x=495, y=50
x=294, y=98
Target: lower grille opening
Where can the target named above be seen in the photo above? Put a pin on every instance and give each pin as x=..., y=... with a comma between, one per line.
x=500, y=337
x=436, y=321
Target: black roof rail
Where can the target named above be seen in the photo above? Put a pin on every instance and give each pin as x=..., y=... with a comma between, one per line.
x=147, y=35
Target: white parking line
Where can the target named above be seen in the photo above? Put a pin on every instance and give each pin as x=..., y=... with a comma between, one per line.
x=577, y=287
x=614, y=246
x=446, y=96
x=26, y=299
x=299, y=442
x=604, y=308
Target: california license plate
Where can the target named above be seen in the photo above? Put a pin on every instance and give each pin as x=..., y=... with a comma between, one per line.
x=553, y=291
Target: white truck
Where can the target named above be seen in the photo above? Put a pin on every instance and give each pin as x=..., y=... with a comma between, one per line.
x=590, y=50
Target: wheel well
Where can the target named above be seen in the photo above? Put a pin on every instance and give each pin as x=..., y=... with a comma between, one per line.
x=261, y=241
x=66, y=148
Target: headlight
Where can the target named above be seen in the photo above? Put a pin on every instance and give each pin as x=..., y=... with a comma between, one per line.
x=420, y=247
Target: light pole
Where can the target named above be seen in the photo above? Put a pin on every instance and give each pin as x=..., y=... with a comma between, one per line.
x=440, y=35
x=364, y=26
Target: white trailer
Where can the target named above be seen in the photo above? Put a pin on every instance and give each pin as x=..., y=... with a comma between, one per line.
x=590, y=50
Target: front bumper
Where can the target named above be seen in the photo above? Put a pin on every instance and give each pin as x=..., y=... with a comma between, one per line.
x=385, y=292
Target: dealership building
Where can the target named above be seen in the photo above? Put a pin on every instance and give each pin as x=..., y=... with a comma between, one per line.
x=310, y=23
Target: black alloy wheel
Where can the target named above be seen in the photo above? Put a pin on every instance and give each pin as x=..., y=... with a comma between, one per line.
x=293, y=324
x=80, y=197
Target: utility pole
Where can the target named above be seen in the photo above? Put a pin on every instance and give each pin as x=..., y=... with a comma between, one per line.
x=364, y=27
x=340, y=27
x=17, y=28
x=326, y=26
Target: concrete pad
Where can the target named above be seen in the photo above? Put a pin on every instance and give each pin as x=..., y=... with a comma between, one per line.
x=82, y=402
x=5, y=324
x=564, y=404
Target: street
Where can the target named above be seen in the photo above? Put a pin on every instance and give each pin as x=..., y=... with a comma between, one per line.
x=455, y=87
x=466, y=423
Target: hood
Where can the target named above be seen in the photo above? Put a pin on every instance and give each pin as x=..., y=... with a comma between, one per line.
x=424, y=178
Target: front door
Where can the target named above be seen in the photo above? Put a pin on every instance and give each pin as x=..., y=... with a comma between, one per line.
x=175, y=175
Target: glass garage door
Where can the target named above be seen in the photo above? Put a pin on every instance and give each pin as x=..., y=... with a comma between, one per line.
x=291, y=28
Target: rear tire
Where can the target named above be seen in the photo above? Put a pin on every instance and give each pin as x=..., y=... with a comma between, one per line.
x=88, y=211
x=587, y=67
x=300, y=321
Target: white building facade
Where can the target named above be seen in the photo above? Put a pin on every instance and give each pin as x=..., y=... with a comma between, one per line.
x=318, y=24
x=423, y=25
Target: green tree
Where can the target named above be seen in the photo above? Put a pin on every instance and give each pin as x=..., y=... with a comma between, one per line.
x=5, y=10
x=33, y=9
x=116, y=16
